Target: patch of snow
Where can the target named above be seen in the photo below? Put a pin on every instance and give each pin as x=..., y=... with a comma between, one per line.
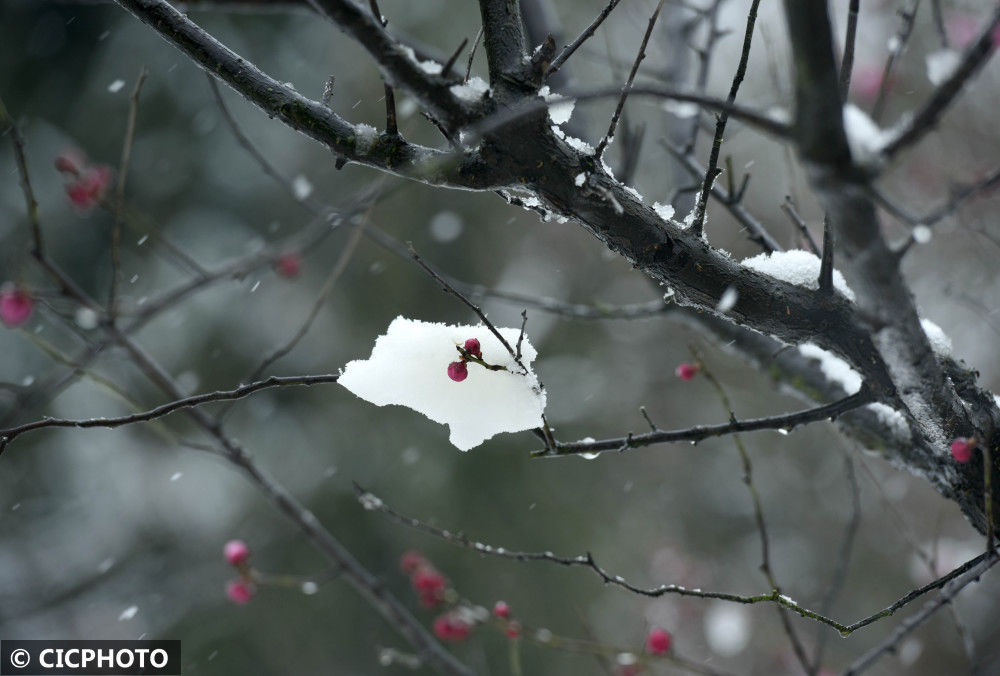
x=780, y=115
x=574, y=143
x=364, y=138
x=892, y=419
x=429, y=67
x=560, y=110
x=865, y=138
x=664, y=211
x=472, y=91
x=833, y=367
x=633, y=192
x=939, y=340
x=941, y=64
x=798, y=267
x=408, y=367
x=580, y=179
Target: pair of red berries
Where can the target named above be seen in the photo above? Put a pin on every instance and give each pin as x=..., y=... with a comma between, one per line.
x=459, y=370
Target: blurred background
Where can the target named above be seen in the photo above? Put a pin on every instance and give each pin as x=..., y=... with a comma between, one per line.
x=119, y=533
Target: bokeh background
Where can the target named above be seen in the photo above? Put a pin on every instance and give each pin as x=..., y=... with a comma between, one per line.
x=118, y=534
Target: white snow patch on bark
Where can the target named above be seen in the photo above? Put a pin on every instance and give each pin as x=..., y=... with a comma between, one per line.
x=798, y=267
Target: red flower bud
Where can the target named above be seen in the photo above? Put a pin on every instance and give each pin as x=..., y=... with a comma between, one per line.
x=458, y=371
x=687, y=371
x=961, y=449
x=472, y=347
x=658, y=642
x=236, y=552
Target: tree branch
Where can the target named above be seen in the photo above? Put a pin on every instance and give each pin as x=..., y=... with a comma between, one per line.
x=309, y=117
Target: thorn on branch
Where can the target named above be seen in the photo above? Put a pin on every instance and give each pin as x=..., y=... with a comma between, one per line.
x=826, y=263
x=391, y=127
x=788, y=208
x=454, y=57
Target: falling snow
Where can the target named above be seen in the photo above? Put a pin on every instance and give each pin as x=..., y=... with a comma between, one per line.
x=301, y=187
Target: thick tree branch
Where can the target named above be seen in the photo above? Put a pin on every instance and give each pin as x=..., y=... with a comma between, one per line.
x=300, y=113
x=506, y=47
x=871, y=268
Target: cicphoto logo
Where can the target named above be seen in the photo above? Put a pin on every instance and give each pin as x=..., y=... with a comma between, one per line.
x=94, y=658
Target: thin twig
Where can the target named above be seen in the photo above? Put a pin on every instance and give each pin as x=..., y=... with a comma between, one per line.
x=472, y=54
x=119, y=207
x=472, y=306
x=17, y=140
x=788, y=208
x=331, y=281
x=720, y=125
x=909, y=624
x=976, y=54
x=786, y=421
x=758, y=514
x=373, y=502
x=843, y=556
x=847, y=61
x=705, y=54
x=896, y=44
x=755, y=229
x=628, y=83
x=583, y=37
x=8, y=435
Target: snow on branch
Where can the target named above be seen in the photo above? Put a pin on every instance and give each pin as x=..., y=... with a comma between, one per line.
x=409, y=366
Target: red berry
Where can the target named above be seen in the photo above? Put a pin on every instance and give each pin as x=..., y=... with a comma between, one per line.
x=961, y=449
x=658, y=642
x=15, y=305
x=687, y=371
x=513, y=629
x=452, y=627
x=411, y=561
x=472, y=347
x=458, y=371
x=501, y=610
x=240, y=591
x=289, y=265
x=236, y=552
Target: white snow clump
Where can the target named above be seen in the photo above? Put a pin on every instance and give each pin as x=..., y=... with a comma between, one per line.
x=409, y=367
x=798, y=267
